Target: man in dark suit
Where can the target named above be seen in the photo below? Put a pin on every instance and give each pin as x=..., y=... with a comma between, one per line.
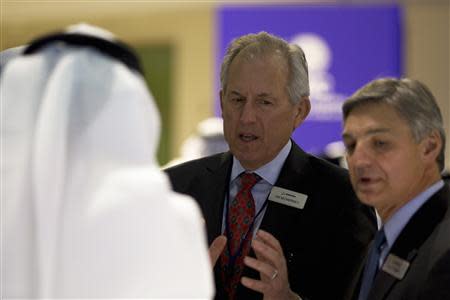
x=306, y=228
x=395, y=139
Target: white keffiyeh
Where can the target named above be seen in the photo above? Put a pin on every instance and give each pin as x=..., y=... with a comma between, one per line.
x=86, y=212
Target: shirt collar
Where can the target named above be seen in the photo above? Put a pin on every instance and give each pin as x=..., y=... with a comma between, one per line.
x=398, y=221
x=270, y=171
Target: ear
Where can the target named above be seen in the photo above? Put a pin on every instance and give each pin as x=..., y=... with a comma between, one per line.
x=302, y=110
x=221, y=95
x=431, y=146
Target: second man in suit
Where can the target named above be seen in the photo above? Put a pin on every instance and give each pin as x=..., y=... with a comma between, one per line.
x=293, y=225
x=394, y=135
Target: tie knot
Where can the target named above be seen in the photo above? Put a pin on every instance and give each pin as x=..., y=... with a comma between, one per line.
x=379, y=240
x=248, y=180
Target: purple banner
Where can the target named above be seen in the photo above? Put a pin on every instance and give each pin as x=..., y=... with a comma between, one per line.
x=346, y=46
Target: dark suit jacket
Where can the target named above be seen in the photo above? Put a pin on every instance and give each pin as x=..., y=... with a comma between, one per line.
x=322, y=243
x=425, y=244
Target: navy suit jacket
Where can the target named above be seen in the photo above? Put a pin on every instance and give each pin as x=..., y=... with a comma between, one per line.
x=425, y=244
x=323, y=243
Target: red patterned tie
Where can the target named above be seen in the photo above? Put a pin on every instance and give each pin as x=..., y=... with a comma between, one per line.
x=241, y=212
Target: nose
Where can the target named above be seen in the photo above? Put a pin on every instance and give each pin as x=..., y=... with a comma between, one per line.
x=360, y=157
x=248, y=113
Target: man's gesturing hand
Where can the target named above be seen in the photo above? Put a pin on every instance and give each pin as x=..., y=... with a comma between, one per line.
x=271, y=265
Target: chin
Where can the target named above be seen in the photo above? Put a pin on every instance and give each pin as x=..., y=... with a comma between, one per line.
x=366, y=198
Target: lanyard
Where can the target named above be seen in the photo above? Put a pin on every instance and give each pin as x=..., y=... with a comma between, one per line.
x=233, y=258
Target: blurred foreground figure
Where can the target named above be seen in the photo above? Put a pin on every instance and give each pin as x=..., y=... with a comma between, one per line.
x=86, y=212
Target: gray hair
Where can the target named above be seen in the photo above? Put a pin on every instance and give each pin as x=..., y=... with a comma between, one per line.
x=411, y=99
x=265, y=43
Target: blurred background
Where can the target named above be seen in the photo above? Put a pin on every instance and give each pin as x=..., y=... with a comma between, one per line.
x=181, y=44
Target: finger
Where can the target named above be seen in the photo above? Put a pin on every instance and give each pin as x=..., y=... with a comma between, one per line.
x=216, y=248
x=269, y=239
x=256, y=285
x=262, y=267
x=266, y=253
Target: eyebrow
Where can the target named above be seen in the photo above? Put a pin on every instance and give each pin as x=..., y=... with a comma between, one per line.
x=368, y=132
x=236, y=93
x=263, y=94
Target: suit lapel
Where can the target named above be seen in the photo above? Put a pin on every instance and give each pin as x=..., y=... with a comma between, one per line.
x=278, y=217
x=213, y=185
x=407, y=245
x=354, y=286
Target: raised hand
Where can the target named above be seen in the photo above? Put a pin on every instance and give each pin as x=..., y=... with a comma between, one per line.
x=271, y=264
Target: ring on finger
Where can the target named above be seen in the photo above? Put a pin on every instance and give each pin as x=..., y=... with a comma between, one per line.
x=274, y=275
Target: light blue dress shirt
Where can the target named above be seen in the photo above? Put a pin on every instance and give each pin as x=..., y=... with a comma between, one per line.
x=269, y=175
x=398, y=221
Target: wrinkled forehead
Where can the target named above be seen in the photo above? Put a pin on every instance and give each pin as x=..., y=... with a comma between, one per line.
x=370, y=107
x=373, y=118
x=257, y=51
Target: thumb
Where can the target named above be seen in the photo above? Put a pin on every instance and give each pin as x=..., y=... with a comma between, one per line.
x=216, y=248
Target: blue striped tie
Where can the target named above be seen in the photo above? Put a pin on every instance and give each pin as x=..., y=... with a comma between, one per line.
x=371, y=268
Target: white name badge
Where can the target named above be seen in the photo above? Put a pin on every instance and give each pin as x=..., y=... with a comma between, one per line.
x=396, y=266
x=288, y=197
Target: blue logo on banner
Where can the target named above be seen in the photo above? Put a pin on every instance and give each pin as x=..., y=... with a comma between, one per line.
x=326, y=103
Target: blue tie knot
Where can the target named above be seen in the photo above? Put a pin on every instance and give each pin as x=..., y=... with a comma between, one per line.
x=379, y=240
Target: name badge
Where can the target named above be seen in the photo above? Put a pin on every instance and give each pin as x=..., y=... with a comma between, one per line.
x=396, y=266
x=287, y=197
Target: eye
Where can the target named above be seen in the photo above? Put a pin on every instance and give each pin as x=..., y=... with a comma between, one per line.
x=349, y=146
x=265, y=102
x=237, y=100
x=380, y=144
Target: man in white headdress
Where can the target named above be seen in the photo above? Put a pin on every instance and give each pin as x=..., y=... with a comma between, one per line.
x=86, y=212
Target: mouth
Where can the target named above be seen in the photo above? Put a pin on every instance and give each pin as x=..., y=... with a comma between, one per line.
x=365, y=180
x=246, y=137
x=365, y=183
